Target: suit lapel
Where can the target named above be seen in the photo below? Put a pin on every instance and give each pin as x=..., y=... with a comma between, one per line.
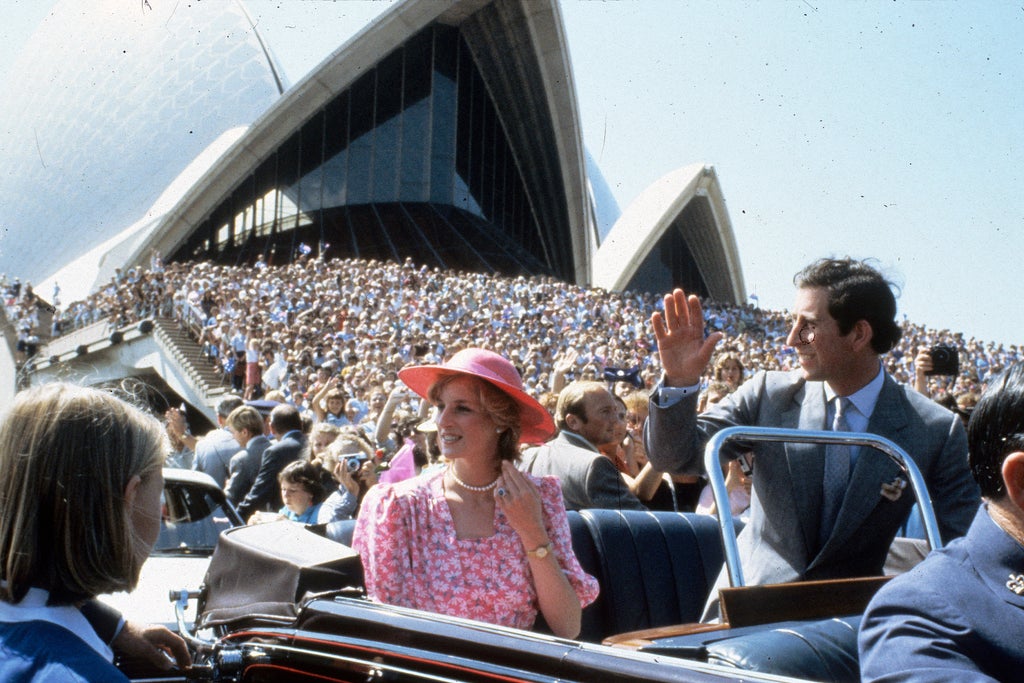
x=872, y=469
x=806, y=460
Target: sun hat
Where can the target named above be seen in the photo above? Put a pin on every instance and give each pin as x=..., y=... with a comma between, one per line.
x=535, y=423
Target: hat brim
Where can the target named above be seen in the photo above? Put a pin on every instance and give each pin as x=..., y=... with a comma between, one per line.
x=535, y=423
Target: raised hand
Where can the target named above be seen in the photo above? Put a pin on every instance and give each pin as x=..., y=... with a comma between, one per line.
x=679, y=331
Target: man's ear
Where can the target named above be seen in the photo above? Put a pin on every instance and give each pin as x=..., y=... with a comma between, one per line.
x=572, y=422
x=862, y=334
x=1013, y=477
x=132, y=490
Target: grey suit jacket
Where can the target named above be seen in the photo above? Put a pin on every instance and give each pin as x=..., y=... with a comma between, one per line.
x=588, y=478
x=780, y=544
x=245, y=465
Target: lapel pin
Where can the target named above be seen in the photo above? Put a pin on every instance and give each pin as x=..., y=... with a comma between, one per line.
x=894, y=489
x=1016, y=583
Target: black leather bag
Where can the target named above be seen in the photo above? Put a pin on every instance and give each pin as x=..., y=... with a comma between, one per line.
x=263, y=572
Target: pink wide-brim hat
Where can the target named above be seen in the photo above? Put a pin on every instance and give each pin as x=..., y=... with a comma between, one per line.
x=535, y=423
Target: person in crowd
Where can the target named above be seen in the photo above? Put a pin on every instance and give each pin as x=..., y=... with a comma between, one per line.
x=291, y=445
x=478, y=539
x=737, y=485
x=587, y=414
x=253, y=370
x=180, y=455
x=321, y=436
x=246, y=425
x=302, y=491
x=729, y=369
x=329, y=404
x=816, y=513
x=79, y=514
x=654, y=489
x=213, y=452
x=350, y=462
x=959, y=615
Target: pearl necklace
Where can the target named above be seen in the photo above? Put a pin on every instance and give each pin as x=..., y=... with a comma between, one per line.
x=478, y=489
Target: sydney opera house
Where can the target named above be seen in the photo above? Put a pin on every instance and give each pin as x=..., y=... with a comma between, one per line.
x=447, y=132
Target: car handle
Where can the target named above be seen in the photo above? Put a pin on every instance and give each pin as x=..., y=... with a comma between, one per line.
x=180, y=599
x=877, y=444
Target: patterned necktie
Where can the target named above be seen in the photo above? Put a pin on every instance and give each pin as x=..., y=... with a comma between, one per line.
x=837, y=473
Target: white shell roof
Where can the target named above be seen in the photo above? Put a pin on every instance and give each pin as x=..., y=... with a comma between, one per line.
x=107, y=104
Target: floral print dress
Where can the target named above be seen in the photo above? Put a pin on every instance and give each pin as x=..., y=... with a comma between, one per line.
x=406, y=538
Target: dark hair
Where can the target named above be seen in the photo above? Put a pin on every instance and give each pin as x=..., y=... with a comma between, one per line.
x=996, y=429
x=305, y=474
x=285, y=418
x=856, y=291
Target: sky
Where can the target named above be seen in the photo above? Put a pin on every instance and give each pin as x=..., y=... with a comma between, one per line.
x=885, y=130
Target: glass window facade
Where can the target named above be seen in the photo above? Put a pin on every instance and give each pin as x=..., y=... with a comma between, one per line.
x=411, y=161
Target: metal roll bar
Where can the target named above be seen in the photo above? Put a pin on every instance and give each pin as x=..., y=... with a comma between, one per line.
x=716, y=478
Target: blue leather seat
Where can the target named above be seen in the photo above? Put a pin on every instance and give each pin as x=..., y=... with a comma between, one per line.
x=654, y=568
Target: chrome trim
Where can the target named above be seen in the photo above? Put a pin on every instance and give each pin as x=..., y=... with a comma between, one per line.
x=716, y=478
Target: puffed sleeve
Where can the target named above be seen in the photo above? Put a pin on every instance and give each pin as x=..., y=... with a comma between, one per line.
x=382, y=539
x=557, y=523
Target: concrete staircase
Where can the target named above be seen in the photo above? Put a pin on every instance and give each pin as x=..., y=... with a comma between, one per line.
x=206, y=375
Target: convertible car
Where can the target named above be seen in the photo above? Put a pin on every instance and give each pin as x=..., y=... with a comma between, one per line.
x=195, y=512
x=284, y=602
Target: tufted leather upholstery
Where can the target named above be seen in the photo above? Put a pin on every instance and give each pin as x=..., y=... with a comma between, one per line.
x=654, y=568
x=824, y=650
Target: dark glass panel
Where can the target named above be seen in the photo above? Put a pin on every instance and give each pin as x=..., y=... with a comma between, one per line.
x=369, y=233
x=387, y=132
x=414, y=181
x=464, y=140
x=335, y=151
x=444, y=111
x=311, y=149
x=361, y=142
x=287, y=182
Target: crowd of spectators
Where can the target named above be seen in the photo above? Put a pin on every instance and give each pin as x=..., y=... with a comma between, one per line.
x=361, y=321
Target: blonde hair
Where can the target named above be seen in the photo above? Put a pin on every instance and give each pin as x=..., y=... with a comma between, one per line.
x=247, y=418
x=67, y=454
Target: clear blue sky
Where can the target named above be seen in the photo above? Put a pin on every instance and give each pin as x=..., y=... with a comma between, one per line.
x=892, y=130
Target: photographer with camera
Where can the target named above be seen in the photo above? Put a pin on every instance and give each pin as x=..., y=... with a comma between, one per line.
x=935, y=361
x=349, y=460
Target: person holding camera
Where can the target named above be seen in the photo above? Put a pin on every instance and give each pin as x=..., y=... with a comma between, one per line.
x=816, y=512
x=349, y=461
x=939, y=360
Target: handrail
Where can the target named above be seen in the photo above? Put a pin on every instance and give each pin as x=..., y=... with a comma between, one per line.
x=716, y=478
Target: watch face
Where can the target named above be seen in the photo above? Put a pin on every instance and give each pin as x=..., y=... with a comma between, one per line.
x=541, y=552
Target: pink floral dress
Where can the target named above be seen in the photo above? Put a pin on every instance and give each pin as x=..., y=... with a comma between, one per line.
x=411, y=557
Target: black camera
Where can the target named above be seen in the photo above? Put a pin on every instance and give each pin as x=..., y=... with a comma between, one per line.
x=945, y=360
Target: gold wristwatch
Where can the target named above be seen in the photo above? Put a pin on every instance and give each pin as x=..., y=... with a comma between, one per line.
x=541, y=552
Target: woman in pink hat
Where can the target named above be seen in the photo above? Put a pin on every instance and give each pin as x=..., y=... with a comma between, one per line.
x=478, y=539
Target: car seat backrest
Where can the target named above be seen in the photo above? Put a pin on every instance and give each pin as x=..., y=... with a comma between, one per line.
x=654, y=568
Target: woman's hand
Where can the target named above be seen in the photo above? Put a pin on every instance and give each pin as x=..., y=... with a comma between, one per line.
x=343, y=476
x=519, y=499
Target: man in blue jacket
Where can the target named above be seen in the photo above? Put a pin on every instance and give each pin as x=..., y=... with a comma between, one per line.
x=959, y=615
